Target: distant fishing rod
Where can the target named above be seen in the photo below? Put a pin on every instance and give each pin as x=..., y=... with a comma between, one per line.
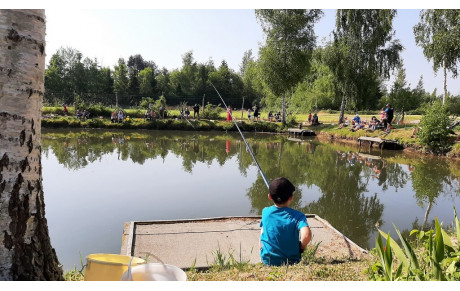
x=247, y=145
x=186, y=119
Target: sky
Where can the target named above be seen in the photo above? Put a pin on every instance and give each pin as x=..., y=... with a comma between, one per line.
x=164, y=35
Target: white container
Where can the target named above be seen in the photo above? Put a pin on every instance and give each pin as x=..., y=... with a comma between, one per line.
x=154, y=272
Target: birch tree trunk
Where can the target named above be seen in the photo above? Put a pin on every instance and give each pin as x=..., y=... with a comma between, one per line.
x=283, y=114
x=342, y=110
x=25, y=247
x=445, y=82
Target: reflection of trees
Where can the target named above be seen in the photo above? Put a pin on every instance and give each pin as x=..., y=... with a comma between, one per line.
x=429, y=180
x=75, y=151
x=342, y=202
x=277, y=159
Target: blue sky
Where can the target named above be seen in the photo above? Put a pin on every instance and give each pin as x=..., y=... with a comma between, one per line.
x=164, y=35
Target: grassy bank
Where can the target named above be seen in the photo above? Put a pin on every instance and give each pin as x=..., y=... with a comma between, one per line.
x=159, y=124
x=309, y=269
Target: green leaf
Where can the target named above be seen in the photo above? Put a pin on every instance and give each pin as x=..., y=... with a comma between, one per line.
x=409, y=251
x=439, y=243
x=399, y=272
x=398, y=251
x=451, y=269
x=447, y=241
x=389, y=259
x=380, y=252
x=421, y=235
x=414, y=231
x=437, y=271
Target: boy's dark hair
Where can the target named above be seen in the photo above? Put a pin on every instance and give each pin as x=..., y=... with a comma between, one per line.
x=281, y=190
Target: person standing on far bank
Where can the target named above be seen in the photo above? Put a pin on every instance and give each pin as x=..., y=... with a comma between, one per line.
x=196, y=111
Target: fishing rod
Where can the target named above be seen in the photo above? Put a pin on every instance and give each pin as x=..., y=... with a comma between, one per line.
x=186, y=119
x=247, y=145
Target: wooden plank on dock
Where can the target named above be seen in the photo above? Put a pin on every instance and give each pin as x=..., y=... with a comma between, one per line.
x=372, y=139
x=387, y=143
x=195, y=242
x=302, y=132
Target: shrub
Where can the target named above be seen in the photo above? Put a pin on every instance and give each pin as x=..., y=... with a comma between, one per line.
x=52, y=110
x=291, y=121
x=212, y=112
x=96, y=110
x=146, y=102
x=95, y=123
x=434, y=132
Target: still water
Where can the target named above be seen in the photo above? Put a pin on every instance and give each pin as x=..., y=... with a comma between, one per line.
x=95, y=181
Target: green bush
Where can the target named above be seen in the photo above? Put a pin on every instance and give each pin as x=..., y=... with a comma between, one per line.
x=291, y=121
x=52, y=110
x=212, y=112
x=97, y=110
x=434, y=133
x=146, y=101
x=95, y=123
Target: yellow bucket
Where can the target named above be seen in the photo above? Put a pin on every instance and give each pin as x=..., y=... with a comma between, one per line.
x=108, y=267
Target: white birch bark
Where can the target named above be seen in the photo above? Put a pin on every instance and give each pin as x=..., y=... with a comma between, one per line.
x=25, y=248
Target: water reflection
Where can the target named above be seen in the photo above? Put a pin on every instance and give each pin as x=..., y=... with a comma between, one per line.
x=353, y=191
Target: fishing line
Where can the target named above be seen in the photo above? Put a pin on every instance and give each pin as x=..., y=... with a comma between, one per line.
x=186, y=119
x=247, y=145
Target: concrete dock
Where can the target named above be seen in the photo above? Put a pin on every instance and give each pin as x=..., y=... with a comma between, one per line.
x=197, y=242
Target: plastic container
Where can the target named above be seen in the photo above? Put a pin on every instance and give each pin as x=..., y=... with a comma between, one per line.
x=155, y=272
x=108, y=267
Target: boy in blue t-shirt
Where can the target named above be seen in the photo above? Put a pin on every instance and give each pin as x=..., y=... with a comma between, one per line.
x=285, y=232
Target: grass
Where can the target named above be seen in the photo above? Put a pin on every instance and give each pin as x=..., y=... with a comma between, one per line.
x=314, y=271
x=310, y=268
x=225, y=267
x=317, y=270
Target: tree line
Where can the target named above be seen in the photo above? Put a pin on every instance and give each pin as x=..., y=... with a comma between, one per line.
x=291, y=74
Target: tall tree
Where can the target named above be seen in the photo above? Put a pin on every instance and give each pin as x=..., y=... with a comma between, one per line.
x=120, y=78
x=146, y=81
x=247, y=58
x=163, y=82
x=438, y=33
x=290, y=39
x=135, y=65
x=25, y=248
x=253, y=85
x=228, y=83
x=133, y=83
x=317, y=90
x=188, y=77
x=401, y=96
x=364, y=52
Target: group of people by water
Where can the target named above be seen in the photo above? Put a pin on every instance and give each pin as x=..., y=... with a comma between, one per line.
x=196, y=112
x=255, y=111
x=119, y=117
x=384, y=123
x=313, y=119
x=254, y=114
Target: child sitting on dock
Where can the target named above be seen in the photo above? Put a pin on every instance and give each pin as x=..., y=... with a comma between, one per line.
x=282, y=227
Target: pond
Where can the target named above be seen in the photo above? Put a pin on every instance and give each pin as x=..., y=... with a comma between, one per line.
x=95, y=181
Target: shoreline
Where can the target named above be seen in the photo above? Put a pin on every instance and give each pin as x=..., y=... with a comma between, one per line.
x=324, y=132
